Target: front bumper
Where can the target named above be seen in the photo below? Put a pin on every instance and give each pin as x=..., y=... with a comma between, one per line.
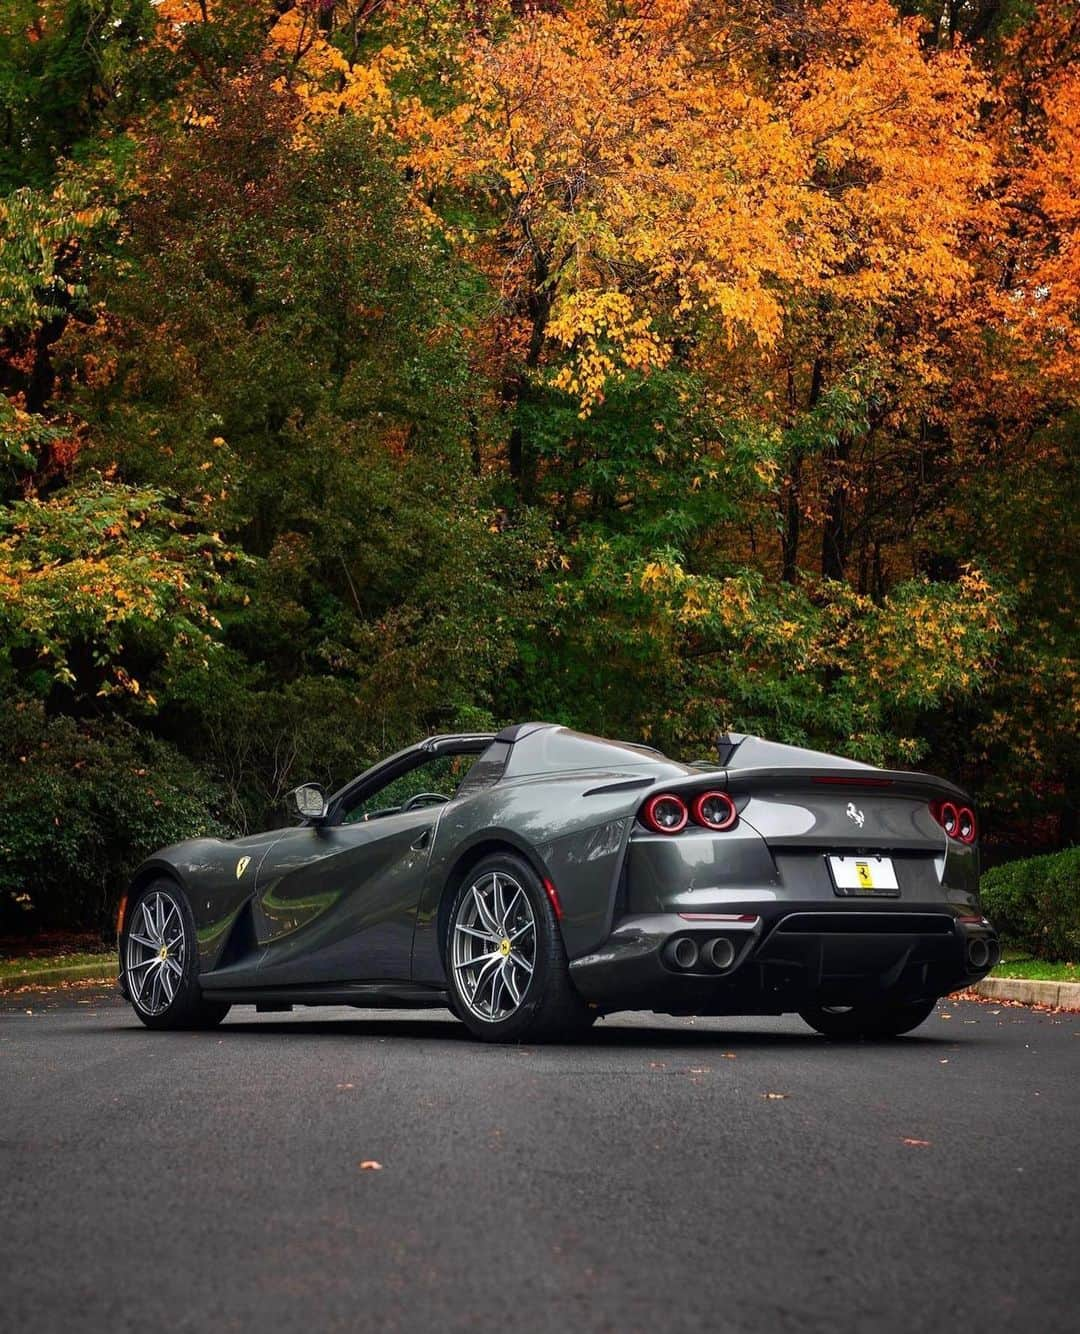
x=782, y=960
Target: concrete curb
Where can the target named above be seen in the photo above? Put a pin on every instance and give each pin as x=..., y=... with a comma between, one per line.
x=47, y=977
x=1059, y=995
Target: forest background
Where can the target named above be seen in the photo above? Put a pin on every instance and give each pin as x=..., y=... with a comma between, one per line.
x=373, y=368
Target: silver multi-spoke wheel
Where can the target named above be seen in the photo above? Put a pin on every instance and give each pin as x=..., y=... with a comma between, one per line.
x=493, y=946
x=154, y=963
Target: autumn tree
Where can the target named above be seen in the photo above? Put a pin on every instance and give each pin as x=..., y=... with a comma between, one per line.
x=1016, y=420
x=71, y=73
x=280, y=343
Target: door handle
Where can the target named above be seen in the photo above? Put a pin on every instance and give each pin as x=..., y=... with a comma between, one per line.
x=421, y=843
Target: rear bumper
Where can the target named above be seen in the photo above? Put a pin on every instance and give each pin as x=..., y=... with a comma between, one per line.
x=781, y=959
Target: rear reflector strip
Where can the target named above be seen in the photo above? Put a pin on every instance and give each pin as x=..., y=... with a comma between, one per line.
x=718, y=917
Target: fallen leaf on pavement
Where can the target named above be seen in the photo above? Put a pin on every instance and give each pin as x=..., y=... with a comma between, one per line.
x=370, y=1165
x=774, y=1095
x=345, y=1086
x=728, y=1055
x=915, y=1143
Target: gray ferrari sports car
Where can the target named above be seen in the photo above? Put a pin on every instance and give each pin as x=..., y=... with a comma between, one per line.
x=537, y=878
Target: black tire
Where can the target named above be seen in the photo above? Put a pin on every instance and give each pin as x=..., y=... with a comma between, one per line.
x=550, y=1007
x=186, y=1009
x=877, y=1019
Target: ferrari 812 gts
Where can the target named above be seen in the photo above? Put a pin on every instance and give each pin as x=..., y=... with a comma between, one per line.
x=536, y=878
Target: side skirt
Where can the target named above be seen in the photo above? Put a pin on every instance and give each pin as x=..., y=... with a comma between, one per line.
x=366, y=995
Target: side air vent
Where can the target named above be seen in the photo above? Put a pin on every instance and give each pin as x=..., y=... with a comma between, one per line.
x=240, y=944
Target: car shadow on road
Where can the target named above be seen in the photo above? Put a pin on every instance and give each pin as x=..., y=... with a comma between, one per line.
x=604, y=1036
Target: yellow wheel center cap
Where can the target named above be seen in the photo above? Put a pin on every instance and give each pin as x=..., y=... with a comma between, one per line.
x=504, y=947
x=163, y=953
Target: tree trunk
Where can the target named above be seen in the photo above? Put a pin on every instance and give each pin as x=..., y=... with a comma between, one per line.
x=792, y=504
x=792, y=520
x=834, y=537
x=517, y=388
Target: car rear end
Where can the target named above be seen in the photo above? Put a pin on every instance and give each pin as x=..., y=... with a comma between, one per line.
x=764, y=890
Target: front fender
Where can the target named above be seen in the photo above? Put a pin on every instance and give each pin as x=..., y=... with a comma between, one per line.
x=218, y=876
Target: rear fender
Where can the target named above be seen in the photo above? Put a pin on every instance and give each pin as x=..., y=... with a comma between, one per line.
x=571, y=829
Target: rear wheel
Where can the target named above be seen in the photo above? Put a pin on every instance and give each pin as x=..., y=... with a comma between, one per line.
x=876, y=1019
x=509, y=979
x=160, y=959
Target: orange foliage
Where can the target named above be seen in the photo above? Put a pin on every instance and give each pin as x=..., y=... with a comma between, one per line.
x=1038, y=142
x=646, y=170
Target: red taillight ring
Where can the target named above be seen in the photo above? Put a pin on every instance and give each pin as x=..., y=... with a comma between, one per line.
x=699, y=812
x=957, y=821
x=648, y=815
x=943, y=818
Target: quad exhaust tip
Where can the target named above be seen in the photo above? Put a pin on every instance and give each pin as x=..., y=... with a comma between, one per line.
x=721, y=952
x=685, y=954
x=978, y=952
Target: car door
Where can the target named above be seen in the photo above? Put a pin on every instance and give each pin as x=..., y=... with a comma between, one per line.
x=337, y=902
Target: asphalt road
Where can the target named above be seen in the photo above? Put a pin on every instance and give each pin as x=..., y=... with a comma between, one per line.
x=651, y=1178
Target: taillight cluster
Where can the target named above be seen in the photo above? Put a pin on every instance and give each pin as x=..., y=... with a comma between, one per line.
x=667, y=813
x=957, y=821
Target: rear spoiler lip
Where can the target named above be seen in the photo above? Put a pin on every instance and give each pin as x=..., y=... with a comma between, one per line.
x=902, y=782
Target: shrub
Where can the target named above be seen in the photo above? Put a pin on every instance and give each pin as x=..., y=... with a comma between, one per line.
x=1035, y=903
x=81, y=804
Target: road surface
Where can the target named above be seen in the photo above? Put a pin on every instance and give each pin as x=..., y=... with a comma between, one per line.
x=664, y=1174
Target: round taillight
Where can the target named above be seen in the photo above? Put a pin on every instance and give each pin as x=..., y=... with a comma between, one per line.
x=665, y=813
x=965, y=825
x=714, y=810
x=949, y=818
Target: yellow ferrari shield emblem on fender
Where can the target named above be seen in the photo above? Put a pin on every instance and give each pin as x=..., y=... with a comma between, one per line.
x=866, y=877
x=241, y=866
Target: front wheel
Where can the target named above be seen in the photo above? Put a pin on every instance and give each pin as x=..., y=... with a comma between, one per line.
x=509, y=979
x=160, y=961
x=873, y=1019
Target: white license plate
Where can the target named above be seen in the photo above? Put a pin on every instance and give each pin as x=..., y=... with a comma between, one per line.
x=865, y=874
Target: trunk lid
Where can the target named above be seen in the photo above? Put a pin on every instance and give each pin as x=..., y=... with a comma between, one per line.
x=821, y=808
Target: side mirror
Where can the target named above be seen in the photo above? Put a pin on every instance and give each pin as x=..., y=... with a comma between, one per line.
x=308, y=801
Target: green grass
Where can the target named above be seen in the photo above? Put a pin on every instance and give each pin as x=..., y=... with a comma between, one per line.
x=1015, y=963
x=42, y=963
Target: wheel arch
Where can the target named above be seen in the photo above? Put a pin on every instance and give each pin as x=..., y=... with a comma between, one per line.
x=486, y=846
x=145, y=876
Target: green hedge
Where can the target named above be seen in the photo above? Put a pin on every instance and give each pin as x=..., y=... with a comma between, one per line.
x=81, y=804
x=1035, y=903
